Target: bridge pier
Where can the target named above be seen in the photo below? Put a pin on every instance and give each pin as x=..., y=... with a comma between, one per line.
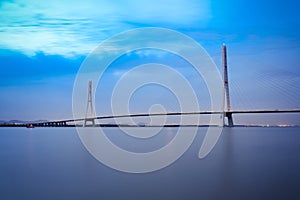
x=91, y=120
x=229, y=119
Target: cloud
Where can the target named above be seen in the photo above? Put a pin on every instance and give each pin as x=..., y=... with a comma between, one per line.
x=71, y=28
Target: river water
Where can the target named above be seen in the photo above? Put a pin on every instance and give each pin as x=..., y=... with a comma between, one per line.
x=246, y=163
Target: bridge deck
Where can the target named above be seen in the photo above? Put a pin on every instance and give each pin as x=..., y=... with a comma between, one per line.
x=64, y=123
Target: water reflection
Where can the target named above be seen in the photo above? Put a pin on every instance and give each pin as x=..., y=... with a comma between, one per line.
x=246, y=163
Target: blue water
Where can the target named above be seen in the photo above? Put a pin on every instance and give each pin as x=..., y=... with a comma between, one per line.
x=246, y=163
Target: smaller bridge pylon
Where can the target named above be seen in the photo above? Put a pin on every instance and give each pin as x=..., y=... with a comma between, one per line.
x=89, y=105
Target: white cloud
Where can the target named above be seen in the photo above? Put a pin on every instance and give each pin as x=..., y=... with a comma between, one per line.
x=71, y=28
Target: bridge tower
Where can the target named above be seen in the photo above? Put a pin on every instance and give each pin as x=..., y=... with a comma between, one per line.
x=89, y=105
x=228, y=113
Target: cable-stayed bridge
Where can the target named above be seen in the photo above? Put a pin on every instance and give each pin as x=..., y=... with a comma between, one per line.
x=227, y=113
x=65, y=123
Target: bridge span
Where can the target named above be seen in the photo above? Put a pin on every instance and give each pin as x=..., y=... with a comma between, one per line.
x=76, y=122
x=227, y=113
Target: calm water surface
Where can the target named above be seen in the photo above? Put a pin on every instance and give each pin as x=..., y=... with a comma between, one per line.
x=246, y=163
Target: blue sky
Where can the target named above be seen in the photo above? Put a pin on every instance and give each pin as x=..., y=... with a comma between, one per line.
x=42, y=45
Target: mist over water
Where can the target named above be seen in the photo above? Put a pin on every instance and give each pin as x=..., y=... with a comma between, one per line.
x=246, y=163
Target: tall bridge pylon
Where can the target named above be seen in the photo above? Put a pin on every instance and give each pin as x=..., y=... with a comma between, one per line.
x=89, y=105
x=227, y=112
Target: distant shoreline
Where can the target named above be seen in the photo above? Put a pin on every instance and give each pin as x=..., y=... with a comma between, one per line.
x=126, y=125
